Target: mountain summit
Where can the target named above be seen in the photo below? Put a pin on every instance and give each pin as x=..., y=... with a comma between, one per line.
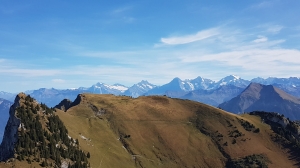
x=232, y=80
x=139, y=89
x=264, y=98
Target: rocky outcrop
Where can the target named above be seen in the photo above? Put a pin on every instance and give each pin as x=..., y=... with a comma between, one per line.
x=64, y=105
x=272, y=118
x=10, y=137
x=78, y=99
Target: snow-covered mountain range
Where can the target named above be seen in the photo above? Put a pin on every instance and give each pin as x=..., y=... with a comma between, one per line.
x=198, y=89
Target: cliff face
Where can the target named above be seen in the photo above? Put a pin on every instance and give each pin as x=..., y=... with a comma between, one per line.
x=10, y=137
x=4, y=113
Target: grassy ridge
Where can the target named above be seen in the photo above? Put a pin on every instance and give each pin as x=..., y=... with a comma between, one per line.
x=157, y=131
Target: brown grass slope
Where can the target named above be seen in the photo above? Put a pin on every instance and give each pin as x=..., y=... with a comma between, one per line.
x=157, y=131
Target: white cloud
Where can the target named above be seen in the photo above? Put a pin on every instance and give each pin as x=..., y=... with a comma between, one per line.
x=260, y=39
x=265, y=61
x=204, y=34
x=23, y=72
x=225, y=50
x=14, y=68
x=217, y=53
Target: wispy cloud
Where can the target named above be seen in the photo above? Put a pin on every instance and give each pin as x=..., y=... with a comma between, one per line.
x=28, y=72
x=263, y=4
x=58, y=81
x=260, y=39
x=271, y=28
x=204, y=34
x=217, y=52
x=101, y=54
x=230, y=49
x=14, y=68
x=121, y=10
x=275, y=29
x=123, y=14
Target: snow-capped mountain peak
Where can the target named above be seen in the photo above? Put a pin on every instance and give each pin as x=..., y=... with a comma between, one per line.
x=139, y=88
x=232, y=80
x=144, y=84
x=103, y=88
x=117, y=86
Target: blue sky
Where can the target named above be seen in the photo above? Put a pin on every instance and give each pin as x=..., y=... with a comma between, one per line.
x=67, y=44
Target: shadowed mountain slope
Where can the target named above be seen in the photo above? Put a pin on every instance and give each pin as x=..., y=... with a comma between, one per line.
x=4, y=113
x=258, y=97
x=214, y=97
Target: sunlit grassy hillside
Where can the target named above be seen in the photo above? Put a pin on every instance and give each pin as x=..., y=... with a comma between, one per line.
x=158, y=131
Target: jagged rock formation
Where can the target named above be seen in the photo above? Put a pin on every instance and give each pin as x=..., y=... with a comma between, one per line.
x=64, y=105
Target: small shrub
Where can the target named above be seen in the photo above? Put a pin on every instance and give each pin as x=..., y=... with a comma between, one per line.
x=256, y=130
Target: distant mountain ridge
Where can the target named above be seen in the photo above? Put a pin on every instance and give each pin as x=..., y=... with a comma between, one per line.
x=258, y=97
x=198, y=89
x=7, y=96
x=214, y=97
x=139, y=89
x=4, y=113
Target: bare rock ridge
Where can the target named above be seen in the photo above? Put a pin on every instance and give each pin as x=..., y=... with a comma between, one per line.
x=11, y=131
x=258, y=97
x=78, y=99
x=64, y=105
